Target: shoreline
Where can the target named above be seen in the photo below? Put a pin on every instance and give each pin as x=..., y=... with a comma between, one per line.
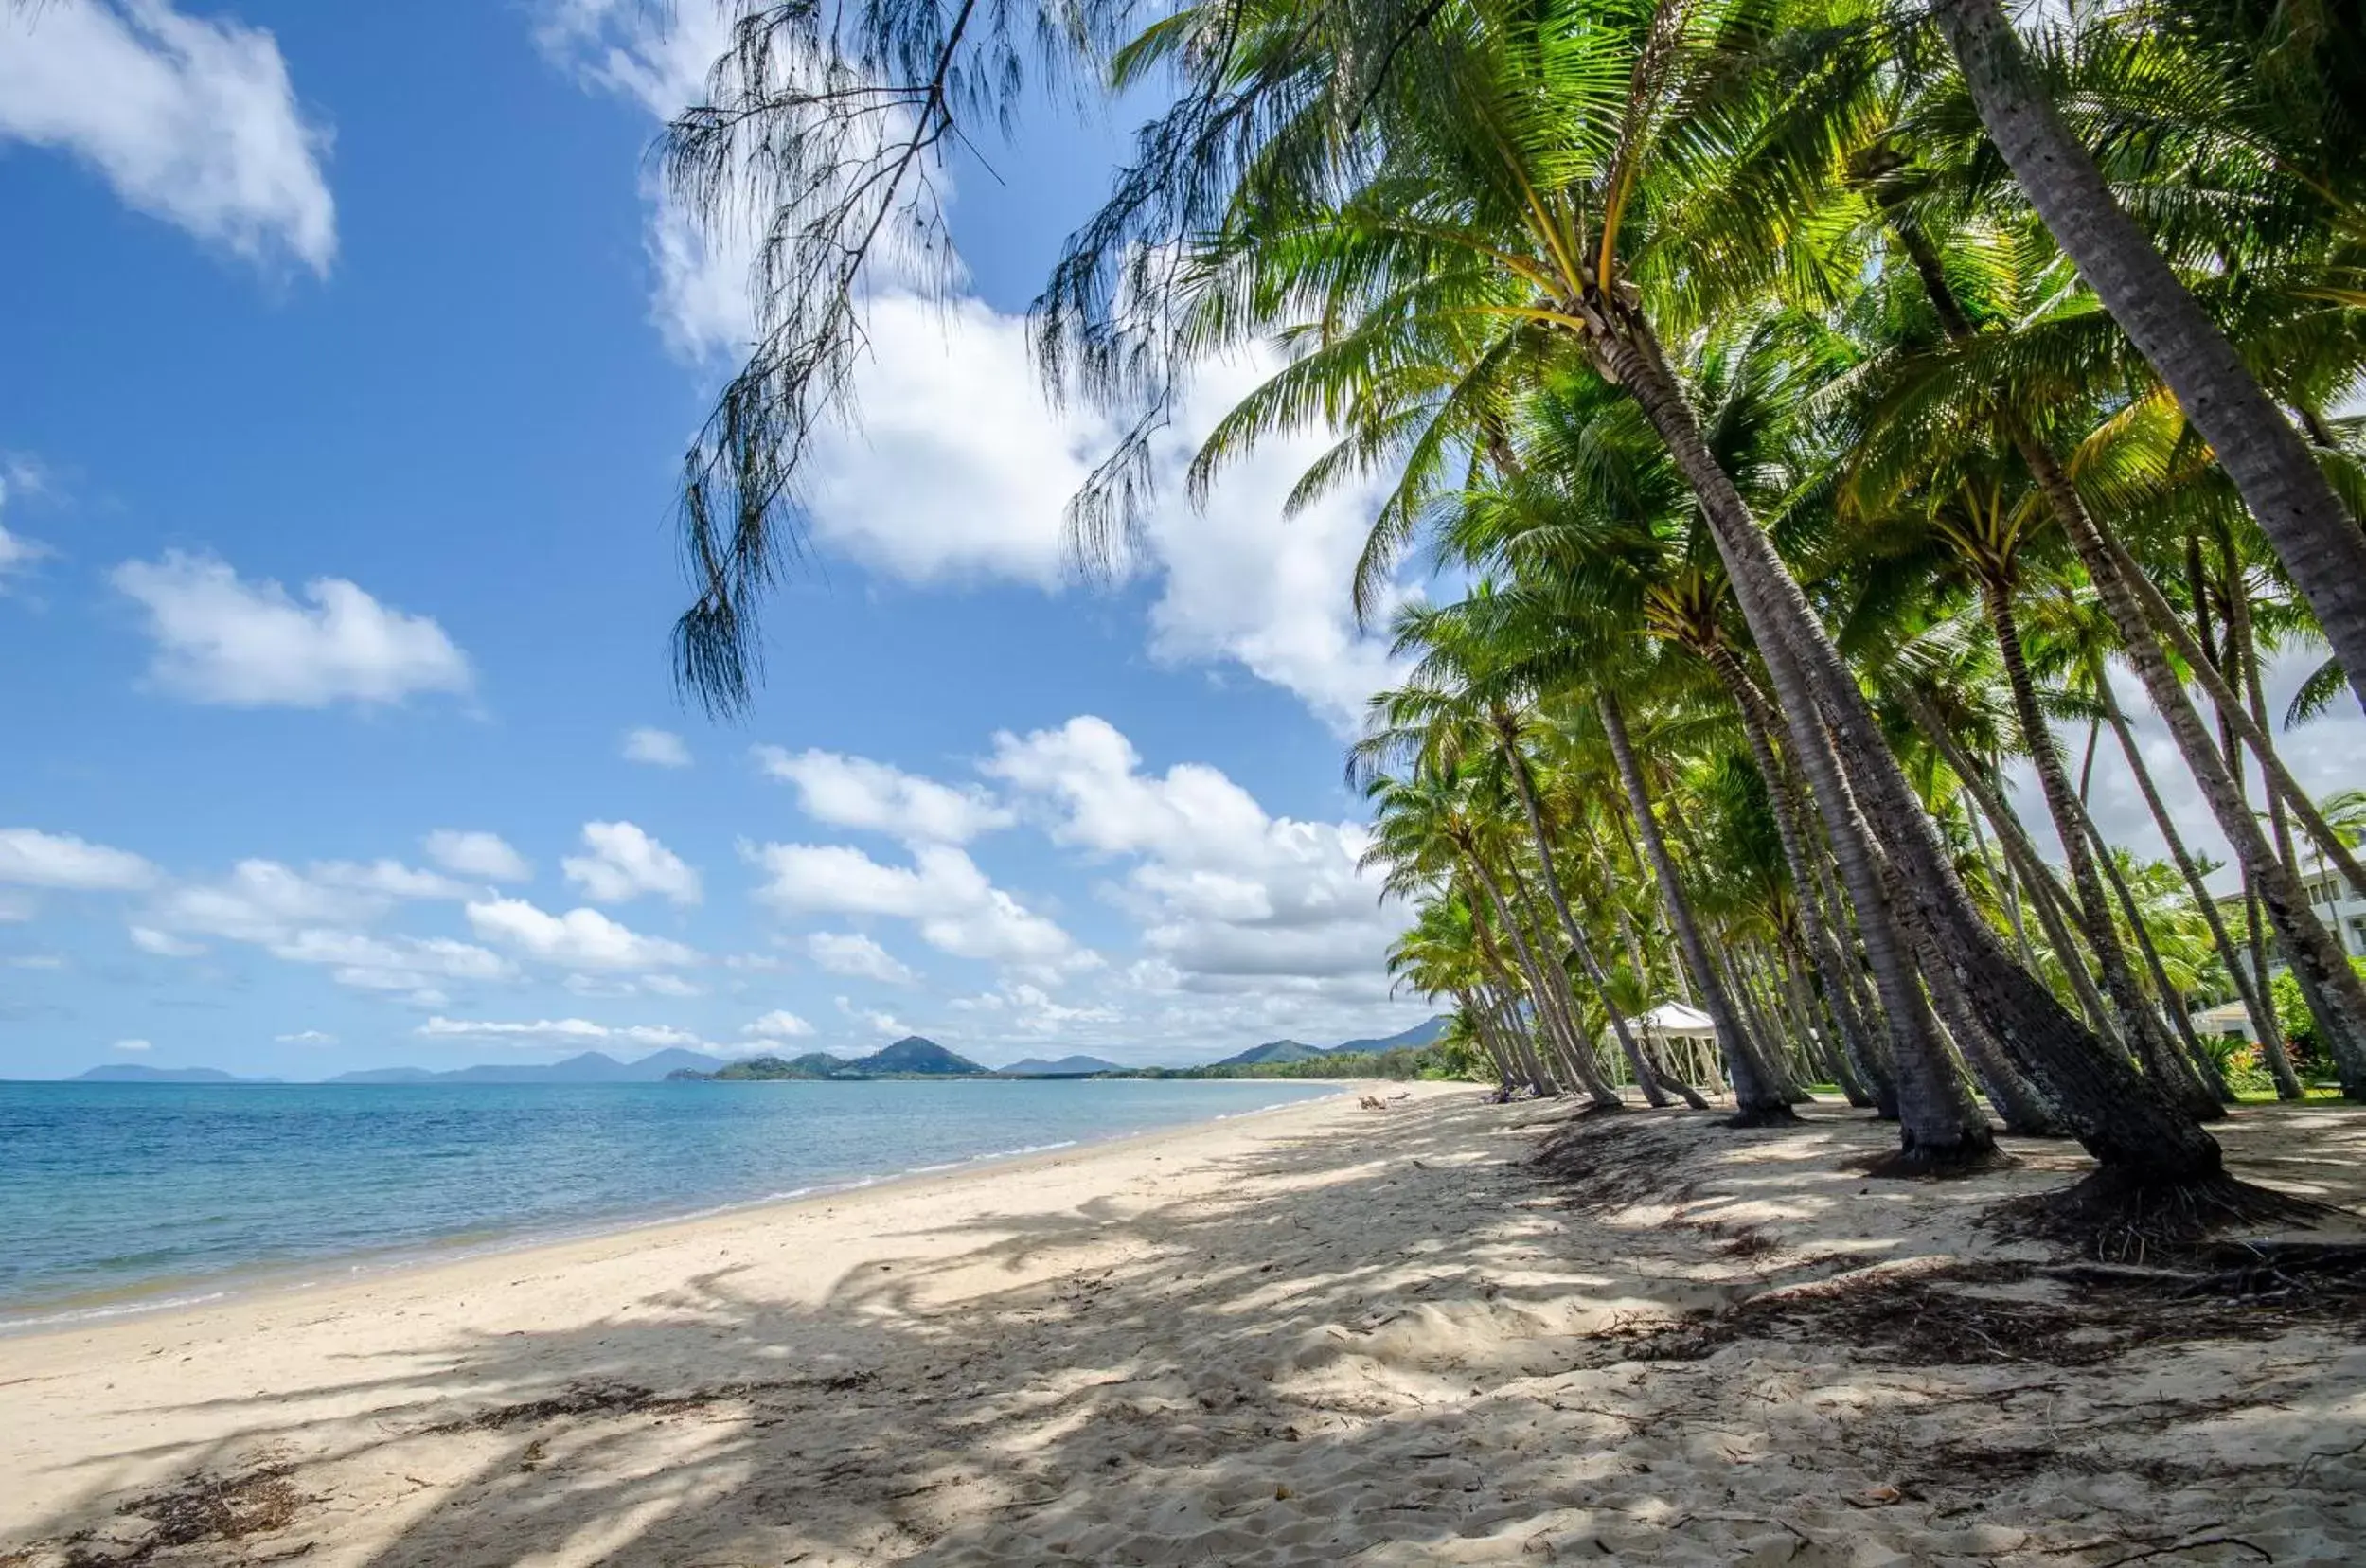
x=1317, y=1334
x=166, y=1297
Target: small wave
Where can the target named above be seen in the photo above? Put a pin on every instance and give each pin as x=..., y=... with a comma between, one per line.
x=114, y=1309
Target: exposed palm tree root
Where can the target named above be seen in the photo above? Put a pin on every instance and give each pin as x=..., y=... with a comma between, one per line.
x=1779, y=1115
x=2122, y=1217
x=1963, y=1157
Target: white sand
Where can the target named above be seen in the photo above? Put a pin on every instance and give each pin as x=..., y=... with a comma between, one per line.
x=1320, y=1335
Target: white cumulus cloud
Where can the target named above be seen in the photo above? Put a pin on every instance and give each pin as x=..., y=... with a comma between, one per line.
x=658, y=748
x=855, y=791
x=559, y=1030
x=133, y=1046
x=16, y=551
x=959, y=471
x=306, y=1037
x=851, y=952
x=221, y=639
x=948, y=900
x=581, y=938
x=30, y=858
x=476, y=854
x=1230, y=896
x=625, y=862
x=191, y=119
x=778, y=1024
x=163, y=944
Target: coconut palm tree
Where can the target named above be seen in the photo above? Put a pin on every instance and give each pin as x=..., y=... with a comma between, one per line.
x=2315, y=534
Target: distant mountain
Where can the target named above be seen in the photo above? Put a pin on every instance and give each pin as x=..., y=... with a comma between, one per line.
x=1272, y=1050
x=590, y=1067
x=1408, y=1039
x=120, y=1072
x=1293, y=1050
x=1067, y=1066
x=911, y=1056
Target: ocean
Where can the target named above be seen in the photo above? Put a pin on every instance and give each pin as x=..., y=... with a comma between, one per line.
x=119, y=1196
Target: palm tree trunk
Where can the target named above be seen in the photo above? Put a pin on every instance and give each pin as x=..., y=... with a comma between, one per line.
x=1740, y=983
x=2312, y=532
x=1524, y=786
x=2133, y=1129
x=2008, y=886
x=2020, y=857
x=2307, y=946
x=1795, y=836
x=2233, y=713
x=2263, y=1018
x=2014, y=1100
x=1582, y=1064
x=1835, y=1056
x=2204, y=1067
x=1757, y=1097
x=1557, y=1026
x=1483, y=1031
x=1540, y=1081
x=2139, y=1025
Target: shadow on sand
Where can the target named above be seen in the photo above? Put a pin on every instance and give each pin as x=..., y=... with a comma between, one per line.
x=1409, y=1345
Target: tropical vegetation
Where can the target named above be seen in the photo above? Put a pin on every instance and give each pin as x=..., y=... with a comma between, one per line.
x=1817, y=411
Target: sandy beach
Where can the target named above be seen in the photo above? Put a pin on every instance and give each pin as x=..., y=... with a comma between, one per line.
x=1320, y=1334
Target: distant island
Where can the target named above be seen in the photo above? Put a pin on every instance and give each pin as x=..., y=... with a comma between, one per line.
x=910, y=1058
x=1067, y=1066
x=588, y=1067
x=124, y=1072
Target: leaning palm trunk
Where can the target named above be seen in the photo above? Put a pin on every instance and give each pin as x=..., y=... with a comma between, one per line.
x=1895, y=982
x=1548, y=1000
x=1740, y=984
x=2120, y=1118
x=2205, y=1069
x=2016, y=1100
x=2021, y=860
x=1583, y=1065
x=2232, y=708
x=2007, y=886
x=2312, y=532
x=1596, y=978
x=1820, y=1026
x=1483, y=1031
x=1540, y=1081
x=2315, y=957
x=2139, y=1025
x=1757, y=1096
x=2262, y=1019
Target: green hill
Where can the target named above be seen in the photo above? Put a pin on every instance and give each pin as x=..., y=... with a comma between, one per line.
x=911, y=1056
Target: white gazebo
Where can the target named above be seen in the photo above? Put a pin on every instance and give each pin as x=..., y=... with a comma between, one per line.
x=2227, y=1018
x=1679, y=1031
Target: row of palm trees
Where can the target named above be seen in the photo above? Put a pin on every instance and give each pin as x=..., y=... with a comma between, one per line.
x=1821, y=399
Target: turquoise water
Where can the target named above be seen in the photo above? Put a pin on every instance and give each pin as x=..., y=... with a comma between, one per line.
x=125, y=1192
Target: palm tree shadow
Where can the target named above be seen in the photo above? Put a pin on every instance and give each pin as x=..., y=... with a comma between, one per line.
x=1321, y=1355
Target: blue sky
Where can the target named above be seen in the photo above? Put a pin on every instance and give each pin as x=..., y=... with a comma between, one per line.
x=349, y=355
x=346, y=358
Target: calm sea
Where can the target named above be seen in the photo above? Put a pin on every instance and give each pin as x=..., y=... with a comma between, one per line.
x=122, y=1194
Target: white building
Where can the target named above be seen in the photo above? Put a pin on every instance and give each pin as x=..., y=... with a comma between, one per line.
x=2339, y=905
